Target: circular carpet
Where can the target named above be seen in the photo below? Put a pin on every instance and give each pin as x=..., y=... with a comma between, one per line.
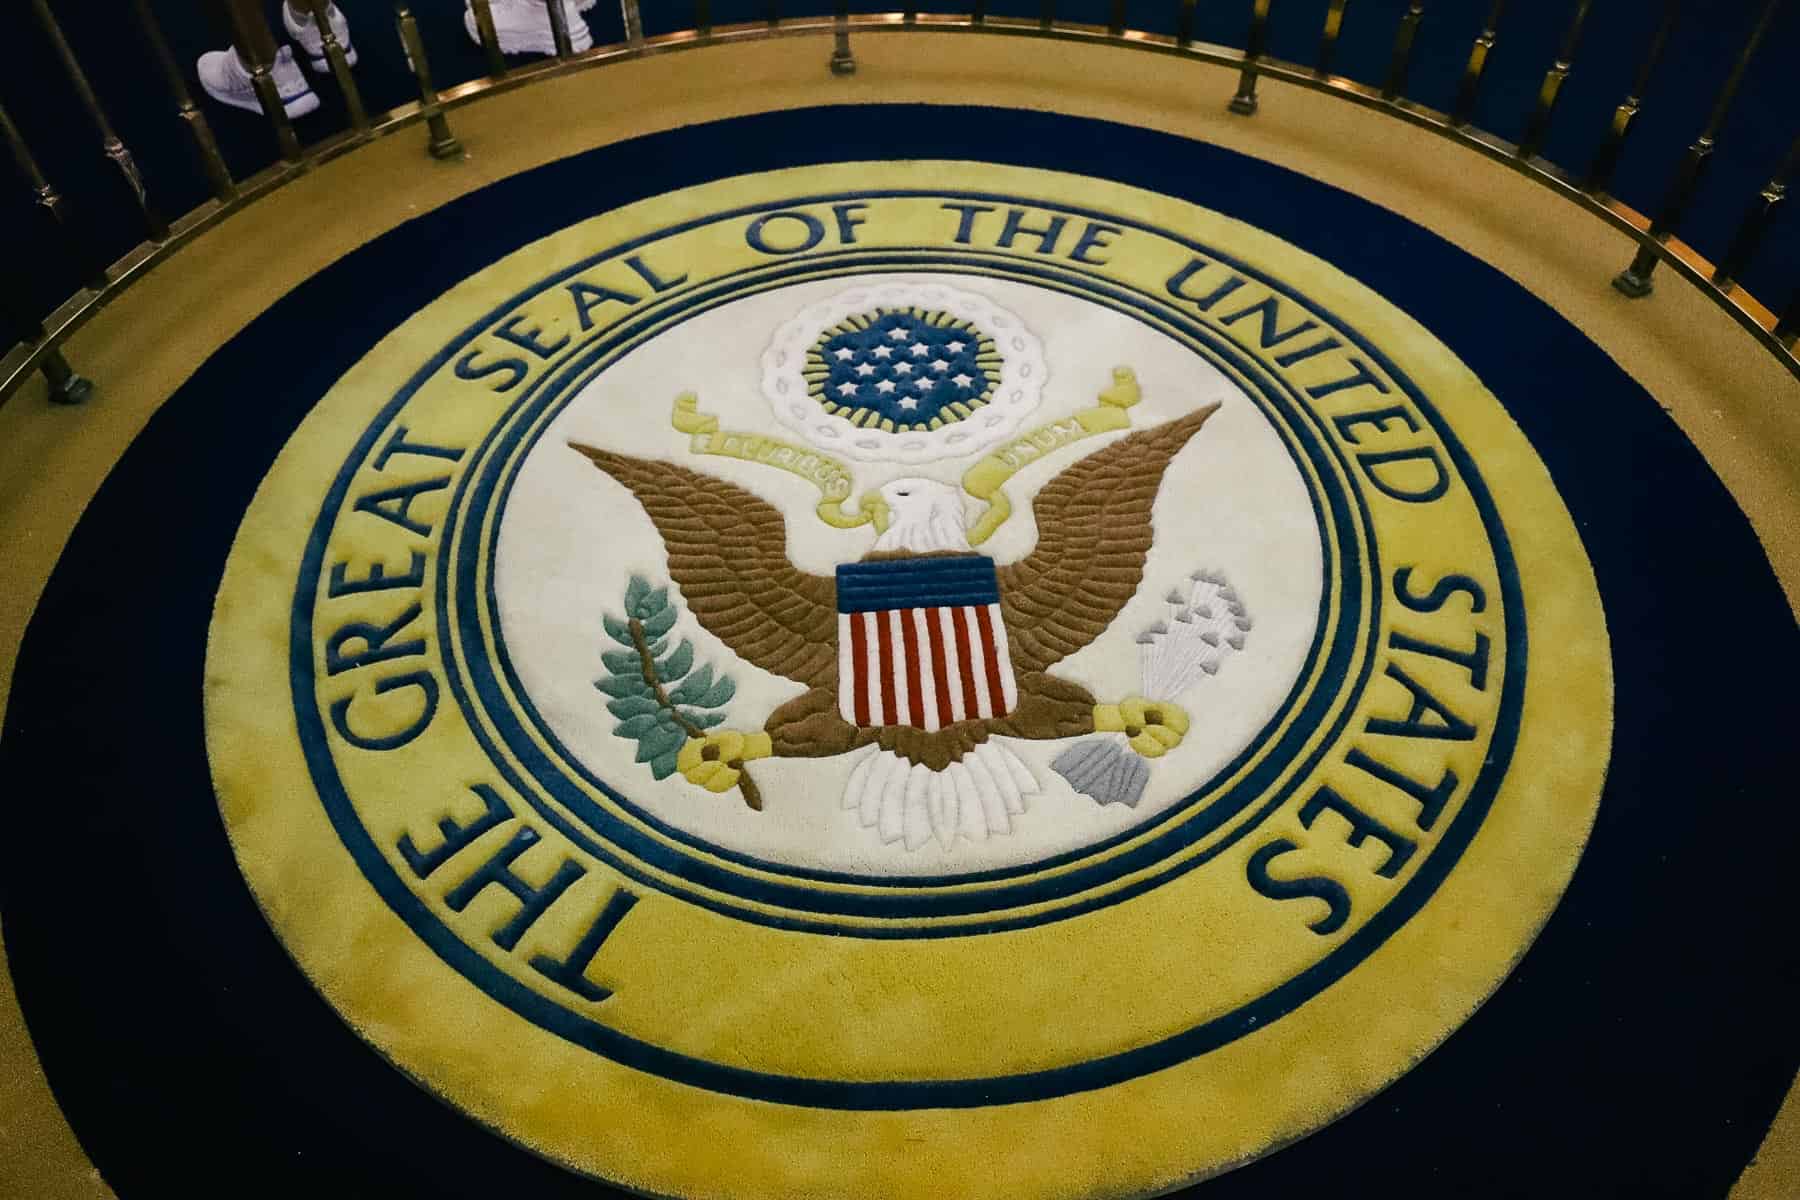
x=1047, y=660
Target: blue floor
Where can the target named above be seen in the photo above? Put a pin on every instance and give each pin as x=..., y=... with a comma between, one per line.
x=1764, y=120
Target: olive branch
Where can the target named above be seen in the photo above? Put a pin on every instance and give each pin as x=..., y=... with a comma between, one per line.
x=660, y=698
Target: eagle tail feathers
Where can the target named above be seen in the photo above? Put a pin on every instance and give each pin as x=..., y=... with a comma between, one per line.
x=973, y=798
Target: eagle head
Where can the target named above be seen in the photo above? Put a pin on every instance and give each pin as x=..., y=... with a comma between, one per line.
x=923, y=515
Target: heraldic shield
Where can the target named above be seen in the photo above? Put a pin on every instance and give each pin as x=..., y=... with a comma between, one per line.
x=921, y=642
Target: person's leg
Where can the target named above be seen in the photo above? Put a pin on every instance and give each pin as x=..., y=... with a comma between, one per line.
x=227, y=75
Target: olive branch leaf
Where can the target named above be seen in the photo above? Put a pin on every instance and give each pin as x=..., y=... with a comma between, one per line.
x=661, y=700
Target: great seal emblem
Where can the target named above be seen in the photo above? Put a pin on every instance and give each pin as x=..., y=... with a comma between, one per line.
x=910, y=670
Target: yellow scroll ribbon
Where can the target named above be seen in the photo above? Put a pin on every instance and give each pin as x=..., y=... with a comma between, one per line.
x=983, y=480
x=831, y=477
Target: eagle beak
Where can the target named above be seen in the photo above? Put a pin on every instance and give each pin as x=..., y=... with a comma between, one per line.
x=876, y=510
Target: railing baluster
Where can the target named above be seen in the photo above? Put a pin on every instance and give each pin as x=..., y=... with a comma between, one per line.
x=442, y=143
x=490, y=36
x=842, y=61
x=46, y=197
x=1184, y=24
x=1047, y=14
x=340, y=65
x=978, y=12
x=1328, y=37
x=1606, y=159
x=1463, y=111
x=1756, y=222
x=114, y=149
x=1115, y=24
x=1634, y=280
x=1787, y=329
x=773, y=13
x=1244, y=103
x=211, y=161
x=1403, y=48
x=66, y=387
x=911, y=15
x=254, y=48
x=1538, y=127
x=559, y=28
x=634, y=23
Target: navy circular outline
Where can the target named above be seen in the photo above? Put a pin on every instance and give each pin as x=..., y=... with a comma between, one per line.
x=894, y=1094
x=582, y=364
x=241, y=1043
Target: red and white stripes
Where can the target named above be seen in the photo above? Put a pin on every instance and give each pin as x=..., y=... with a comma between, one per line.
x=924, y=667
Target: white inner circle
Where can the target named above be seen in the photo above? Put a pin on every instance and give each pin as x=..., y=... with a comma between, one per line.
x=1233, y=501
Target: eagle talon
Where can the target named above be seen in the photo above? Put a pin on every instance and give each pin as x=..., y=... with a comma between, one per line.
x=715, y=761
x=1151, y=727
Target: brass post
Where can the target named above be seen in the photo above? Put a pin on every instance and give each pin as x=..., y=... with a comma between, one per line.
x=262, y=78
x=154, y=225
x=1184, y=25
x=1787, y=329
x=1115, y=24
x=1403, y=48
x=490, y=37
x=1634, y=280
x=1538, y=127
x=224, y=188
x=842, y=61
x=1464, y=110
x=1047, y=14
x=443, y=143
x=1328, y=38
x=52, y=202
x=1756, y=221
x=1606, y=159
x=559, y=28
x=634, y=23
x=1244, y=103
x=66, y=387
x=340, y=65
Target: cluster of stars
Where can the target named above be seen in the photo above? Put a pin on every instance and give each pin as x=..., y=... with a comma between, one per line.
x=906, y=363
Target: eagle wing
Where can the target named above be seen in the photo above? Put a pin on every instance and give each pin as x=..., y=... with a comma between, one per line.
x=1093, y=533
x=728, y=555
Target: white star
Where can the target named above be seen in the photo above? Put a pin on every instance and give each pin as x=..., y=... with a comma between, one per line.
x=961, y=381
x=939, y=365
x=845, y=354
x=909, y=403
x=883, y=352
x=924, y=385
x=864, y=369
x=846, y=389
x=898, y=334
x=956, y=347
x=920, y=349
x=903, y=368
x=885, y=386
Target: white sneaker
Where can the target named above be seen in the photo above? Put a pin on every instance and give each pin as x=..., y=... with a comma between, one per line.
x=523, y=26
x=227, y=80
x=304, y=30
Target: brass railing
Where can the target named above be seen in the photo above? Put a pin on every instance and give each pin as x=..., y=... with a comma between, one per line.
x=1656, y=235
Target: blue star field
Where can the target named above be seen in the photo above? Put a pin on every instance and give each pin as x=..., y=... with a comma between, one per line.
x=903, y=367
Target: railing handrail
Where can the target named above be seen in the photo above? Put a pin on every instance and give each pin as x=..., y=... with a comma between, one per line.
x=1655, y=237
